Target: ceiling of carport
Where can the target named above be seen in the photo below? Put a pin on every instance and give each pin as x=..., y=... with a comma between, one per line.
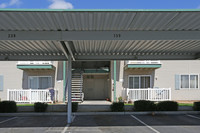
x=101, y=21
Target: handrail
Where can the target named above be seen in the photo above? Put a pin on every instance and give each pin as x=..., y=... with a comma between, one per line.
x=34, y=63
x=153, y=94
x=143, y=62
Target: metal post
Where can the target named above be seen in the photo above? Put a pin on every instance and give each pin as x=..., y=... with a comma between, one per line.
x=69, y=71
x=115, y=99
x=64, y=81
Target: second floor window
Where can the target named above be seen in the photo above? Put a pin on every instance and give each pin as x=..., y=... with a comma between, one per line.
x=189, y=81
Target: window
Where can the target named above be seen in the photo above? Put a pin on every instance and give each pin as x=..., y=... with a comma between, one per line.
x=189, y=81
x=1, y=82
x=40, y=82
x=139, y=81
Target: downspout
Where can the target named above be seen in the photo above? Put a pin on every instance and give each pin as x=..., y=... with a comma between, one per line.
x=64, y=80
x=115, y=99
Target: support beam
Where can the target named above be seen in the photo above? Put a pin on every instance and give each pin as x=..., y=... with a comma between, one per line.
x=99, y=35
x=69, y=102
x=64, y=49
x=68, y=44
x=32, y=57
x=198, y=56
x=134, y=57
x=30, y=35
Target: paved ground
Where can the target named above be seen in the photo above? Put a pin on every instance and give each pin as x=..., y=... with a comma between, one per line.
x=102, y=123
x=136, y=124
x=35, y=124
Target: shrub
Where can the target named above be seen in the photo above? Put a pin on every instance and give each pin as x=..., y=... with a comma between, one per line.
x=40, y=107
x=120, y=99
x=144, y=105
x=117, y=107
x=196, y=106
x=74, y=106
x=8, y=107
x=167, y=106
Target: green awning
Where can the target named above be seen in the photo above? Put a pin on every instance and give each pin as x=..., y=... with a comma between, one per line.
x=155, y=66
x=35, y=66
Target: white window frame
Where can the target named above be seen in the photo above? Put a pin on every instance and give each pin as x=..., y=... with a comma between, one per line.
x=140, y=80
x=189, y=80
x=38, y=80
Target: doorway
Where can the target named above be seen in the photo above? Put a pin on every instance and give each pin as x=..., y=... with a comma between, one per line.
x=95, y=87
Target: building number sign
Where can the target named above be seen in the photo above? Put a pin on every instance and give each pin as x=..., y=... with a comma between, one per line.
x=116, y=35
x=11, y=35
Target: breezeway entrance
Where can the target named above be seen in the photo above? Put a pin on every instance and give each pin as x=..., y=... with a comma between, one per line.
x=76, y=35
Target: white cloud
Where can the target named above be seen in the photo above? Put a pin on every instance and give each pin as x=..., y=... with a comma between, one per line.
x=3, y=5
x=60, y=4
x=14, y=2
x=10, y=3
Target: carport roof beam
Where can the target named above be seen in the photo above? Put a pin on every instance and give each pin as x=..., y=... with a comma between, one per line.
x=98, y=35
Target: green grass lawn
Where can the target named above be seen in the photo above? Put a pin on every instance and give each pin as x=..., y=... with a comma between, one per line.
x=25, y=104
x=28, y=104
x=128, y=103
x=185, y=104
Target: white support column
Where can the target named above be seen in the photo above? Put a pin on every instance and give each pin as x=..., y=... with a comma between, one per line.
x=8, y=94
x=69, y=103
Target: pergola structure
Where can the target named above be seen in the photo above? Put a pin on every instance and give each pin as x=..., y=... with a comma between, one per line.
x=98, y=35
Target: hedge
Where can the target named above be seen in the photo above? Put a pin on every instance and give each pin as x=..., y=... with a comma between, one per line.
x=167, y=106
x=196, y=106
x=8, y=107
x=40, y=107
x=117, y=107
x=144, y=105
x=74, y=106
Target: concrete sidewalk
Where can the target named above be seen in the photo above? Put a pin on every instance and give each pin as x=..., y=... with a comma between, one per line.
x=101, y=113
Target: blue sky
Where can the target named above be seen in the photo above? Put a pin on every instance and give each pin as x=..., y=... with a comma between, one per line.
x=101, y=4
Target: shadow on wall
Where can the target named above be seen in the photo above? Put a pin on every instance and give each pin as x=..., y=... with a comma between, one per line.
x=60, y=70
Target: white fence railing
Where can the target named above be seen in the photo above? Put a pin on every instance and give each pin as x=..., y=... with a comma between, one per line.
x=31, y=96
x=143, y=62
x=152, y=94
x=34, y=63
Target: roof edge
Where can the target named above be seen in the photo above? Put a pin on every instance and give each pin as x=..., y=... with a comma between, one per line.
x=98, y=10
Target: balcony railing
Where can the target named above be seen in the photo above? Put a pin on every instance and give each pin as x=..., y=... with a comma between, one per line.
x=152, y=94
x=34, y=63
x=31, y=96
x=143, y=62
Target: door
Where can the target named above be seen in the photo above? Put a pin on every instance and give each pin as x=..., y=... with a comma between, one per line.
x=95, y=88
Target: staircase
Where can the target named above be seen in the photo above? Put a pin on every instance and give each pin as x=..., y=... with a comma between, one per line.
x=77, y=86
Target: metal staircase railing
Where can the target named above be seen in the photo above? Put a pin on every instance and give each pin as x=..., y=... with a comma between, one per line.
x=77, y=86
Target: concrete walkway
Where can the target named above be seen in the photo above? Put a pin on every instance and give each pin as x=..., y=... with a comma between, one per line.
x=95, y=102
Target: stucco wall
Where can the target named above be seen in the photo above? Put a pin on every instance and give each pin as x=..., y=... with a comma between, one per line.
x=165, y=78
x=12, y=77
x=15, y=78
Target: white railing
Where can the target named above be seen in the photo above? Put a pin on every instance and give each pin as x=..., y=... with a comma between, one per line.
x=152, y=94
x=143, y=62
x=31, y=96
x=34, y=63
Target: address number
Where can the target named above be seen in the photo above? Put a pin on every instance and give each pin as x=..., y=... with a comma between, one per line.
x=117, y=35
x=11, y=35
